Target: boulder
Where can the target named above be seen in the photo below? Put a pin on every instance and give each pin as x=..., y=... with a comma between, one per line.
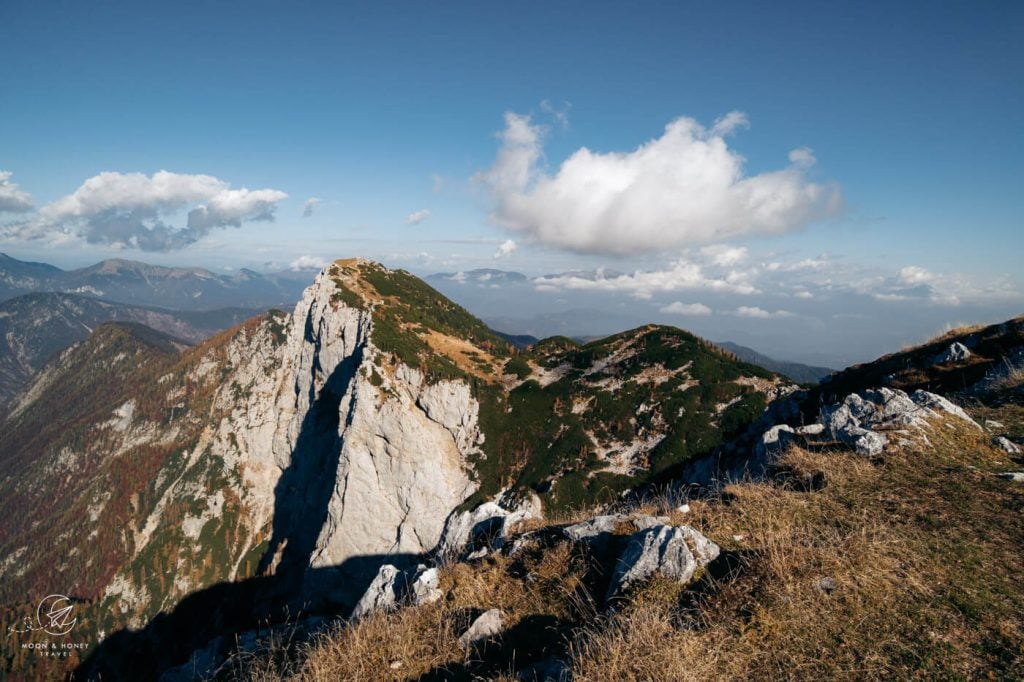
x=485, y=527
x=1006, y=445
x=424, y=588
x=674, y=552
x=956, y=352
x=859, y=418
x=489, y=624
x=381, y=595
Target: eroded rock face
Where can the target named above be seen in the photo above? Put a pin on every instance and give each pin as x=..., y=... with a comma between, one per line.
x=671, y=551
x=385, y=459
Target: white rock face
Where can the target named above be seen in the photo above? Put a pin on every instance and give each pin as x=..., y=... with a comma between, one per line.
x=671, y=551
x=400, y=448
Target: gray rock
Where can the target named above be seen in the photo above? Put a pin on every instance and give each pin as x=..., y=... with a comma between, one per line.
x=936, y=402
x=594, y=527
x=671, y=551
x=811, y=430
x=827, y=584
x=1015, y=476
x=424, y=588
x=488, y=625
x=1006, y=445
x=381, y=595
x=859, y=418
x=488, y=525
x=956, y=352
x=644, y=522
x=774, y=441
x=993, y=424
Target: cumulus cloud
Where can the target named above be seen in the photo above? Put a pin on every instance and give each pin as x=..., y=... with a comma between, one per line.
x=308, y=263
x=724, y=255
x=760, y=313
x=417, y=217
x=688, y=309
x=680, y=275
x=505, y=249
x=309, y=206
x=128, y=210
x=13, y=199
x=684, y=187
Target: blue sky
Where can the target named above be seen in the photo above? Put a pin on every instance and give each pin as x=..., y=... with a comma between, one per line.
x=913, y=112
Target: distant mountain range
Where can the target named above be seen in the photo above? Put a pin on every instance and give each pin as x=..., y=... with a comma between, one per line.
x=126, y=281
x=35, y=327
x=798, y=372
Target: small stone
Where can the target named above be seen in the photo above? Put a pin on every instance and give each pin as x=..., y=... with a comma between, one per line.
x=486, y=626
x=1015, y=476
x=993, y=424
x=395, y=665
x=827, y=584
x=683, y=509
x=738, y=538
x=1006, y=445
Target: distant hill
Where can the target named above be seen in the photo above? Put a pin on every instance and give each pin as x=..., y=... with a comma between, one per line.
x=798, y=372
x=126, y=281
x=34, y=327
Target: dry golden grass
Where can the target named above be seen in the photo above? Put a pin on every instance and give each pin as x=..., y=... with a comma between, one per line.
x=923, y=550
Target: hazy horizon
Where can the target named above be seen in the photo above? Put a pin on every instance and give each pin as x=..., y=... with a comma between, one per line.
x=821, y=184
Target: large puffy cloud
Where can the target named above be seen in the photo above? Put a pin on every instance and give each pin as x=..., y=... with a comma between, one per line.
x=684, y=187
x=13, y=199
x=129, y=210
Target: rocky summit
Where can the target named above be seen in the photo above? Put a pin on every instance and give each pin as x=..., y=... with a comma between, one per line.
x=354, y=457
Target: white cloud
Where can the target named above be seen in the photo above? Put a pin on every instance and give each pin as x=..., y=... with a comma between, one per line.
x=308, y=263
x=436, y=183
x=913, y=275
x=309, y=206
x=680, y=275
x=127, y=210
x=724, y=255
x=505, y=249
x=685, y=187
x=689, y=309
x=802, y=157
x=417, y=217
x=12, y=199
x=559, y=114
x=760, y=313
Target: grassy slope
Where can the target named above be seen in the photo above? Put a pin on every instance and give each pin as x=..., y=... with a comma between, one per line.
x=535, y=439
x=923, y=546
